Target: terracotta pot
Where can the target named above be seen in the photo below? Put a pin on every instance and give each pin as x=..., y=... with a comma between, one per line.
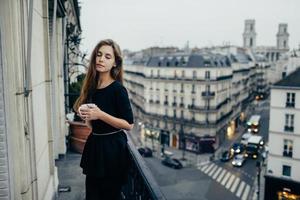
x=79, y=134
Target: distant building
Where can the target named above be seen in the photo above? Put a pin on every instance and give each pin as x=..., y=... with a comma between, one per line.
x=272, y=53
x=282, y=179
x=249, y=35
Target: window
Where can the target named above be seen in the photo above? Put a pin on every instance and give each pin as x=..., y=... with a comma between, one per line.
x=193, y=116
x=151, y=73
x=166, y=112
x=289, y=122
x=174, y=113
x=286, y=170
x=207, y=88
x=194, y=74
x=193, y=101
x=182, y=74
x=207, y=74
x=181, y=102
x=158, y=73
x=166, y=100
x=174, y=101
x=251, y=42
x=151, y=99
x=251, y=27
x=175, y=74
x=182, y=88
x=181, y=114
x=288, y=148
x=193, y=89
x=290, y=99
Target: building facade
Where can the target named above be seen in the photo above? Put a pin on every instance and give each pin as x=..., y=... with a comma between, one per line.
x=282, y=179
x=32, y=112
x=184, y=100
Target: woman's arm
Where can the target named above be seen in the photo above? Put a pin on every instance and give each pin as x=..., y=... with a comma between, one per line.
x=115, y=122
x=95, y=113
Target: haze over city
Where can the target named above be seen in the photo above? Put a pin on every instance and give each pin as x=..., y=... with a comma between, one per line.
x=137, y=24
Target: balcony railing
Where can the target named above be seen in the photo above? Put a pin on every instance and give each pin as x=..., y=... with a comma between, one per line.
x=290, y=104
x=140, y=184
x=208, y=94
x=287, y=154
x=202, y=108
x=289, y=128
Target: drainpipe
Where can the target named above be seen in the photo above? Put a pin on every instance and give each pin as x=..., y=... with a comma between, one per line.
x=29, y=121
x=53, y=136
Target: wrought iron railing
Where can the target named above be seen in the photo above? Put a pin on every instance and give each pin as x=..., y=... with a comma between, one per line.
x=141, y=184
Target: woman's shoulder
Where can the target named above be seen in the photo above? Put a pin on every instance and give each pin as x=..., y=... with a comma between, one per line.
x=119, y=86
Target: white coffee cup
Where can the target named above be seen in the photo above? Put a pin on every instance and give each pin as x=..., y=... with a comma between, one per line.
x=86, y=106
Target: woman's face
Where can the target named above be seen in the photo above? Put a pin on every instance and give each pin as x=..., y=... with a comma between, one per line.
x=105, y=59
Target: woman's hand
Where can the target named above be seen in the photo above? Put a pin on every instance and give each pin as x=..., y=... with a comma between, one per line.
x=94, y=113
x=90, y=113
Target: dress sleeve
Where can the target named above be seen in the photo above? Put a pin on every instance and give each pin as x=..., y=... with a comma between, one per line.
x=123, y=105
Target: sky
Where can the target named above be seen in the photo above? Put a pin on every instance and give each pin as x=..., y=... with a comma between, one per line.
x=139, y=24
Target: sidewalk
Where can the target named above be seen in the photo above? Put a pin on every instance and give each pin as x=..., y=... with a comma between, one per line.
x=192, y=159
x=70, y=176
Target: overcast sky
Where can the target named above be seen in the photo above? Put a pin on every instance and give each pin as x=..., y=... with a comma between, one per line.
x=138, y=24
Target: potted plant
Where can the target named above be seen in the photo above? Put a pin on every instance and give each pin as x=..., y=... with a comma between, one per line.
x=79, y=131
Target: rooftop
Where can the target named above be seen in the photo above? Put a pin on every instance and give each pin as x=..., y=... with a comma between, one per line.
x=292, y=80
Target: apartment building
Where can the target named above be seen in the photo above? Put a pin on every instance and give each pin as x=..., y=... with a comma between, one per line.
x=178, y=95
x=282, y=179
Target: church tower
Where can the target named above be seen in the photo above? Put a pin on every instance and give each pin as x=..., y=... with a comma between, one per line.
x=249, y=34
x=282, y=37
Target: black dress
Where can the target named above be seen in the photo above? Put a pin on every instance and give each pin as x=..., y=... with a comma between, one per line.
x=105, y=157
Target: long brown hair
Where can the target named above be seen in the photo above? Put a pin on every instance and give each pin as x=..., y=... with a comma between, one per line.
x=92, y=76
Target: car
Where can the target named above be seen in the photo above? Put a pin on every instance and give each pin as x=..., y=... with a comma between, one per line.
x=238, y=160
x=145, y=151
x=226, y=156
x=245, y=137
x=237, y=148
x=172, y=162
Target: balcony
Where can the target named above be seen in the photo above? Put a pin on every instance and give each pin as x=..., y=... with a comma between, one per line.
x=202, y=108
x=289, y=128
x=140, y=184
x=287, y=154
x=290, y=104
x=166, y=103
x=174, y=104
x=208, y=94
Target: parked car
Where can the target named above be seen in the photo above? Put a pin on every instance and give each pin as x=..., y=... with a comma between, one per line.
x=172, y=162
x=245, y=137
x=237, y=148
x=238, y=160
x=145, y=151
x=226, y=156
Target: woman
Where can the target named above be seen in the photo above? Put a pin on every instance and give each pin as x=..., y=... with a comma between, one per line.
x=105, y=157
